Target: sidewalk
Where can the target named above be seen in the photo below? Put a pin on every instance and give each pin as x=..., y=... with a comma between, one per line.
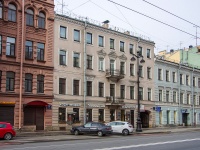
x=32, y=137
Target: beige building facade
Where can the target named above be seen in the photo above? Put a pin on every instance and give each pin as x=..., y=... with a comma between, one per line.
x=110, y=77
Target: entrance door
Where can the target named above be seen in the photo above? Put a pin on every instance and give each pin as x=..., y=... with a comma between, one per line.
x=174, y=117
x=39, y=118
x=112, y=67
x=184, y=118
x=7, y=114
x=112, y=115
x=89, y=115
x=195, y=119
x=132, y=118
x=168, y=116
x=122, y=115
x=144, y=119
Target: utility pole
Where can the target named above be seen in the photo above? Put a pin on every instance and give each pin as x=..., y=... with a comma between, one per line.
x=62, y=6
x=196, y=34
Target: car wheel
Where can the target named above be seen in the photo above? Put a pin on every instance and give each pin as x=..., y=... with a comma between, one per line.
x=100, y=133
x=76, y=132
x=125, y=132
x=8, y=136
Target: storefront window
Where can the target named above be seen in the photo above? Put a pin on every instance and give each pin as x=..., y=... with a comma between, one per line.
x=62, y=115
x=89, y=115
x=112, y=115
x=101, y=115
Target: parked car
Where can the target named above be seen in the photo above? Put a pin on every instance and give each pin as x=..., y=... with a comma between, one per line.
x=6, y=131
x=92, y=128
x=122, y=127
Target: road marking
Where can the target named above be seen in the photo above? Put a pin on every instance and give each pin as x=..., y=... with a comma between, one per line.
x=149, y=144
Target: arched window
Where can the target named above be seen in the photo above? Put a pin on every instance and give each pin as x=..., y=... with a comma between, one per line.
x=29, y=17
x=1, y=9
x=12, y=12
x=41, y=20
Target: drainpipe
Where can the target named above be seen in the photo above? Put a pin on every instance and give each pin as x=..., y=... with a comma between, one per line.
x=84, y=70
x=21, y=67
x=192, y=88
x=179, y=93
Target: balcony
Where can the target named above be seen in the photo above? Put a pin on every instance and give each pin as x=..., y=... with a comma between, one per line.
x=114, y=101
x=114, y=75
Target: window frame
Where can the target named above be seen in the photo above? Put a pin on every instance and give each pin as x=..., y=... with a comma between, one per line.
x=159, y=74
x=89, y=38
x=62, y=58
x=61, y=115
x=149, y=73
x=101, y=64
x=28, y=82
x=12, y=13
x=122, y=46
x=1, y=10
x=122, y=91
x=0, y=44
x=89, y=62
x=41, y=20
x=77, y=39
x=167, y=76
x=132, y=92
x=62, y=86
x=131, y=47
x=12, y=47
x=149, y=94
x=132, y=69
x=101, y=41
x=40, y=83
x=101, y=89
x=76, y=85
x=89, y=88
x=148, y=53
x=112, y=43
x=28, y=50
x=10, y=81
x=141, y=93
x=40, y=52
x=160, y=95
x=63, y=34
x=122, y=68
x=167, y=95
x=140, y=71
x=29, y=17
x=76, y=60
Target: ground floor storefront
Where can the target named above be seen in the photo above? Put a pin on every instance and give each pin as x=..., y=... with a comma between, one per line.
x=35, y=114
x=70, y=112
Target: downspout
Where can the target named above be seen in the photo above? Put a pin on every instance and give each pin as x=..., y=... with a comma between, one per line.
x=192, y=97
x=84, y=71
x=179, y=92
x=21, y=67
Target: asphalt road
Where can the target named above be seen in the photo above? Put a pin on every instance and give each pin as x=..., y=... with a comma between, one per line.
x=175, y=141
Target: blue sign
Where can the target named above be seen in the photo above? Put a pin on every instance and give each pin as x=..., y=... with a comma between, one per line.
x=49, y=106
x=183, y=110
x=157, y=108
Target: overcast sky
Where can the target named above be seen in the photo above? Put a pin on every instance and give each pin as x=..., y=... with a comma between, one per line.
x=165, y=37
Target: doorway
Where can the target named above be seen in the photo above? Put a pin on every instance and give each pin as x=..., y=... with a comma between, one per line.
x=122, y=115
x=89, y=115
x=184, y=118
x=132, y=118
x=144, y=119
x=168, y=117
x=112, y=115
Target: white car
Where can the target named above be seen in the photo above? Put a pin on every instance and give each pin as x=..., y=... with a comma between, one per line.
x=122, y=127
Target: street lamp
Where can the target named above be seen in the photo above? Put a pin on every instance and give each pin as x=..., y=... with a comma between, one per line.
x=138, y=56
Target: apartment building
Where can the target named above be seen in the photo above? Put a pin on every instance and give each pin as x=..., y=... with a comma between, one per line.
x=26, y=63
x=94, y=75
x=176, y=93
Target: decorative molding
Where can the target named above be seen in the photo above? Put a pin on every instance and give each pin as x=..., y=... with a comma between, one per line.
x=123, y=57
x=101, y=53
x=90, y=77
x=112, y=55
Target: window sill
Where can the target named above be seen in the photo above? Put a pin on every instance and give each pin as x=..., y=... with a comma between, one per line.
x=11, y=56
x=28, y=92
x=7, y=91
x=65, y=39
x=112, y=49
x=40, y=93
x=42, y=61
x=101, y=71
x=89, y=69
x=77, y=41
x=77, y=67
x=64, y=65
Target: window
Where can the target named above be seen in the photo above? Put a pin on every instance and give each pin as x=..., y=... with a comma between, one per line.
x=10, y=46
x=188, y=98
x=62, y=57
x=76, y=87
x=112, y=90
x=89, y=88
x=149, y=94
x=198, y=78
x=89, y=62
x=187, y=80
x=89, y=38
x=121, y=46
x=101, y=89
x=195, y=101
x=29, y=50
x=194, y=82
x=148, y=73
x=101, y=115
x=122, y=91
x=131, y=69
x=10, y=81
x=112, y=41
x=76, y=116
x=62, y=86
x=167, y=75
x=140, y=50
x=140, y=93
x=28, y=82
x=29, y=17
x=101, y=64
x=167, y=96
x=174, y=96
x=76, y=59
x=40, y=51
x=40, y=83
x=63, y=32
x=122, y=68
x=181, y=98
x=140, y=71
x=12, y=12
x=148, y=53
x=1, y=9
x=160, y=96
x=0, y=44
x=131, y=48
x=159, y=74
x=41, y=20
x=131, y=92
x=181, y=79
x=0, y=79
x=101, y=41
x=174, y=77
x=76, y=35
x=62, y=115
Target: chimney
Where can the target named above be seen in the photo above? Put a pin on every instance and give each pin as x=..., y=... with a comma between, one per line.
x=105, y=24
x=127, y=32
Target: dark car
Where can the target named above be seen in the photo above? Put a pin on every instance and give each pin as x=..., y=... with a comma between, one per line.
x=92, y=128
x=6, y=131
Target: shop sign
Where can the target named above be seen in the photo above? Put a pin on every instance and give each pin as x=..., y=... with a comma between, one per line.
x=183, y=110
x=157, y=108
x=128, y=107
x=73, y=105
x=141, y=107
x=96, y=105
x=7, y=103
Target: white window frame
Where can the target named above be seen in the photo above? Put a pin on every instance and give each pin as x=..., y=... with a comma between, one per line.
x=65, y=32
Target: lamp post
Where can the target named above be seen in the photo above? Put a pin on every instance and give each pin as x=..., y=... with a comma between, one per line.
x=138, y=56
